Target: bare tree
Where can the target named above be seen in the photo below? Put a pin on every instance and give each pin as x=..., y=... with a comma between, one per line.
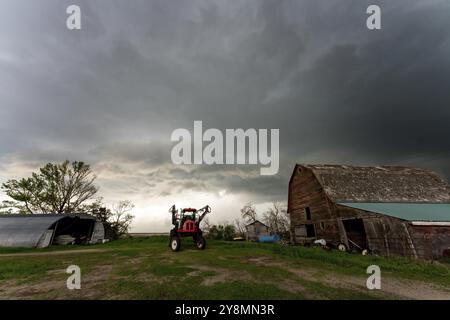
x=206, y=225
x=248, y=213
x=277, y=219
x=121, y=216
x=239, y=227
x=116, y=220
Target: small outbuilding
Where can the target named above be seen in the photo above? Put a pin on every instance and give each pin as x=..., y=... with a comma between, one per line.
x=44, y=230
x=255, y=230
x=387, y=210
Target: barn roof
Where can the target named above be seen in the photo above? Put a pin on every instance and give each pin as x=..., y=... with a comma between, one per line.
x=407, y=211
x=21, y=230
x=344, y=183
x=256, y=221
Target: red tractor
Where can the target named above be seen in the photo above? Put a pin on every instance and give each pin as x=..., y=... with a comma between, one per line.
x=187, y=224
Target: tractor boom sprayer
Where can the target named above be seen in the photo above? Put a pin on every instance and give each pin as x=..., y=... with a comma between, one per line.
x=186, y=223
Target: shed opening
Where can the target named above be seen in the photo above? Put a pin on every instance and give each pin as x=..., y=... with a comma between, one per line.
x=356, y=234
x=73, y=230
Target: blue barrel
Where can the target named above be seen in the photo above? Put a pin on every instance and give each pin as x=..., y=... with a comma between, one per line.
x=272, y=238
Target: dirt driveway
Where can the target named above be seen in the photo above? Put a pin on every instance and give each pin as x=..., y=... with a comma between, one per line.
x=51, y=253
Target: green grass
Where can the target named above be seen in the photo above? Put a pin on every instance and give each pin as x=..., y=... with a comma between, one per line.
x=434, y=271
x=145, y=268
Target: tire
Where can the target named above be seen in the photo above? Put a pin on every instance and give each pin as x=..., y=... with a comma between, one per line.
x=365, y=252
x=200, y=243
x=342, y=247
x=175, y=243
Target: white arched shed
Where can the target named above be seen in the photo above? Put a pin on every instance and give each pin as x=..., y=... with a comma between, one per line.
x=43, y=230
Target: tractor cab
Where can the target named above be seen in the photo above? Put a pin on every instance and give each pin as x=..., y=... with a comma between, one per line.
x=187, y=215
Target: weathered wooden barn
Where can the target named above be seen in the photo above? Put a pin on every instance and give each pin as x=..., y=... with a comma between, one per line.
x=388, y=210
x=256, y=229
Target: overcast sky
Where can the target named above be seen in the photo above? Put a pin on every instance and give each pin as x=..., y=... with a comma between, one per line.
x=112, y=93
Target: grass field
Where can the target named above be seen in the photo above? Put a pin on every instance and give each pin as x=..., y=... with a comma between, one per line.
x=145, y=268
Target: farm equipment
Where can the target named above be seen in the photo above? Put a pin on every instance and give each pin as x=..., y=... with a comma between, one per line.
x=353, y=247
x=186, y=223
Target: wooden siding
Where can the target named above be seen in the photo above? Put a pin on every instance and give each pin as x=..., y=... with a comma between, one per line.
x=305, y=191
x=386, y=236
x=431, y=241
x=255, y=230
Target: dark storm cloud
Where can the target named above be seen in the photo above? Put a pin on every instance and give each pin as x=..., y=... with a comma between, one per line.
x=112, y=93
x=385, y=100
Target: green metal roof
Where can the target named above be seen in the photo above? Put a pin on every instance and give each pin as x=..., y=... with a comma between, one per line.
x=406, y=211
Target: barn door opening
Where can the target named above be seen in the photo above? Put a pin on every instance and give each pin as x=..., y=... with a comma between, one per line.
x=310, y=231
x=356, y=234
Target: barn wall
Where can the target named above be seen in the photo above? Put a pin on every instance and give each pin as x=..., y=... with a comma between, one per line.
x=386, y=236
x=431, y=241
x=306, y=191
x=389, y=237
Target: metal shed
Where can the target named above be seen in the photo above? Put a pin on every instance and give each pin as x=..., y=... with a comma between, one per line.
x=255, y=230
x=43, y=230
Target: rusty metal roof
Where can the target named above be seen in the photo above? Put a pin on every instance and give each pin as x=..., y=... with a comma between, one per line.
x=255, y=222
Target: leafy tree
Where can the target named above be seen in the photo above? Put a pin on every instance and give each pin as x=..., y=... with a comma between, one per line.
x=7, y=207
x=229, y=232
x=216, y=232
x=222, y=232
x=55, y=188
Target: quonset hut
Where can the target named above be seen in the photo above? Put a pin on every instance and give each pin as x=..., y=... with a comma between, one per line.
x=388, y=210
x=43, y=230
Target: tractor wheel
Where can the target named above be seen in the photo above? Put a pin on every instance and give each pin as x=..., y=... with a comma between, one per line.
x=175, y=243
x=200, y=243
